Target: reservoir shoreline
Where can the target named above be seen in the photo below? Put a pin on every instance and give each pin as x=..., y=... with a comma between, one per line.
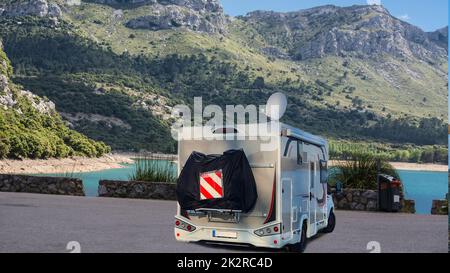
x=406, y=166
x=117, y=160
x=64, y=165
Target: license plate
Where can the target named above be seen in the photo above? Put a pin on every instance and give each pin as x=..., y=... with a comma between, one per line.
x=224, y=234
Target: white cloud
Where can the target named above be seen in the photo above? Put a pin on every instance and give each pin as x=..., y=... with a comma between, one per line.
x=404, y=17
x=374, y=2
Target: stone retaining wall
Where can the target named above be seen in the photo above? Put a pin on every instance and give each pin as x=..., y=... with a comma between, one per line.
x=354, y=199
x=137, y=189
x=365, y=200
x=408, y=206
x=439, y=207
x=44, y=185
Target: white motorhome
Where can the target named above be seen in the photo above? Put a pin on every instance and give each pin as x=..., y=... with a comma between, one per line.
x=291, y=181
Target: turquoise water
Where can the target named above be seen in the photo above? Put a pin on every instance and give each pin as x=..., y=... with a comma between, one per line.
x=423, y=187
x=90, y=179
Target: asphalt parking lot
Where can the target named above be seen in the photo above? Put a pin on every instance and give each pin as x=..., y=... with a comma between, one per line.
x=47, y=223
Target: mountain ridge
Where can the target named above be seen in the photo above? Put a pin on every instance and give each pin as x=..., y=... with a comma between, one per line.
x=116, y=70
x=361, y=29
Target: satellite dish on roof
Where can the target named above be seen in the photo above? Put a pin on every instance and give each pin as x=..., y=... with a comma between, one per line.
x=276, y=106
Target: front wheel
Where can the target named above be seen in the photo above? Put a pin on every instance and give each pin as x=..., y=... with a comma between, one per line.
x=331, y=223
x=300, y=246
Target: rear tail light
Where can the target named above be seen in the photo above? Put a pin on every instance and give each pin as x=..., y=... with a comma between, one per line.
x=268, y=231
x=184, y=226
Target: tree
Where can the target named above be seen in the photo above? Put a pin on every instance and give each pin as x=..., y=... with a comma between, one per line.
x=259, y=83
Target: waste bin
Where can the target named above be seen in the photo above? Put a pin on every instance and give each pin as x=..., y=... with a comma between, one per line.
x=389, y=193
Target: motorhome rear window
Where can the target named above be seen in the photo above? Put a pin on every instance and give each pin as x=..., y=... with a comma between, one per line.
x=226, y=131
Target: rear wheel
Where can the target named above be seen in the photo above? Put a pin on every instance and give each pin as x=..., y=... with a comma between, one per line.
x=300, y=246
x=331, y=223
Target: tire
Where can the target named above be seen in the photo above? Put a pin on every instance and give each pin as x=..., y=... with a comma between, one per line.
x=331, y=223
x=300, y=246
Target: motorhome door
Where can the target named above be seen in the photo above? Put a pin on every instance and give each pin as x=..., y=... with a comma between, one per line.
x=312, y=223
x=287, y=212
x=320, y=186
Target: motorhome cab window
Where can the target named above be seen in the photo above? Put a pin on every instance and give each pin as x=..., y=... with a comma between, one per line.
x=293, y=153
x=294, y=150
x=288, y=148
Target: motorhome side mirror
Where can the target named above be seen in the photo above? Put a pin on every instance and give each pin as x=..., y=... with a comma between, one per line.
x=323, y=171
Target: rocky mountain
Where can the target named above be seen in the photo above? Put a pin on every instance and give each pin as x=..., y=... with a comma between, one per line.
x=122, y=2
x=6, y=98
x=198, y=5
x=365, y=31
x=198, y=15
x=115, y=68
x=440, y=37
x=39, y=8
x=203, y=16
x=30, y=127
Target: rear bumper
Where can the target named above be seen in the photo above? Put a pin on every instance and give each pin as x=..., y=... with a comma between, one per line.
x=244, y=237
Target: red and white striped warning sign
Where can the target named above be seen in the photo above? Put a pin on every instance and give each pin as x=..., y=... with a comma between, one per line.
x=211, y=186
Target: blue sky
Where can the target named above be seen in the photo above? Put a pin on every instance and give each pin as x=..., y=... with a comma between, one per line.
x=426, y=14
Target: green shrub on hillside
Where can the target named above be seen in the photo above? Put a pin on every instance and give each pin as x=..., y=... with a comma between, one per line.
x=5, y=64
x=42, y=136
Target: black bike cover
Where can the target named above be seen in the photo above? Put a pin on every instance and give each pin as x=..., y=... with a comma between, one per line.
x=217, y=182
